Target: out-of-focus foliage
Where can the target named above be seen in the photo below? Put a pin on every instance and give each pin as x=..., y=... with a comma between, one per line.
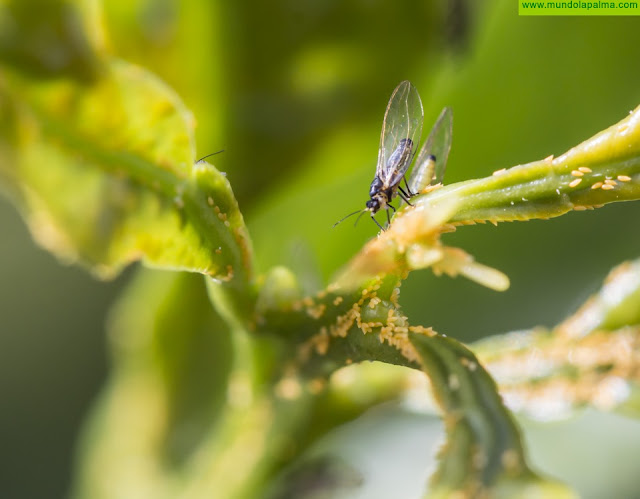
x=588, y=359
x=50, y=39
x=99, y=156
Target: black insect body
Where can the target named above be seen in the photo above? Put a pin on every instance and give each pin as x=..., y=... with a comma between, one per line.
x=380, y=193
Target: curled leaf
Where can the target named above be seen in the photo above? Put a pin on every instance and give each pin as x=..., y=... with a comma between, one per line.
x=483, y=455
x=104, y=174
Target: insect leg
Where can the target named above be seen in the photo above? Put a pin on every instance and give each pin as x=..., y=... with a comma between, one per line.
x=388, y=218
x=377, y=223
x=411, y=194
x=404, y=196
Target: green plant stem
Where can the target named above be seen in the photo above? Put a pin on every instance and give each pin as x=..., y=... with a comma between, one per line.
x=553, y=186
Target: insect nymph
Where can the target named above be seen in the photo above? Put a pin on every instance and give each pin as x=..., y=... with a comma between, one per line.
x=401, y=130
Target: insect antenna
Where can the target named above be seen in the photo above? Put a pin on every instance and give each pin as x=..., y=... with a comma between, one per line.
x=360, y=216
x=208, y=155
x=349, y=215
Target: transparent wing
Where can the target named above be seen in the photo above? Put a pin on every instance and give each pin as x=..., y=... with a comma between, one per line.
x=428, y=170
x=401, y=130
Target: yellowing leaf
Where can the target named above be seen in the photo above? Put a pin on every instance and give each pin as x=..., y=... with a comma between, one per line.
x=104, y=173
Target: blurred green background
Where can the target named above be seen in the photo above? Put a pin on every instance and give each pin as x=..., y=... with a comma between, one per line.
x=295, y=92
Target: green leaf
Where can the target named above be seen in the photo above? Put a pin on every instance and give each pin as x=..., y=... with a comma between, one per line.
x=104, y=174
x=483, y=454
